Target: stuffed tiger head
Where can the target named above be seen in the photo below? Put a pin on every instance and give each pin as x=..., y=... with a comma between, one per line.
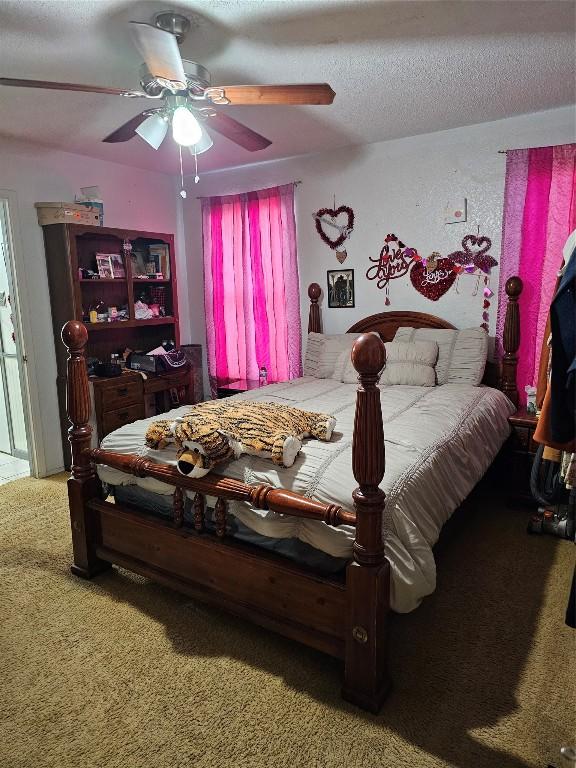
x=215, y=431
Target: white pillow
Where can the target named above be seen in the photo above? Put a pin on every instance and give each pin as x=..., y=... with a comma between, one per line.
x=322, y=352
x=461, y=354
x=406, y=363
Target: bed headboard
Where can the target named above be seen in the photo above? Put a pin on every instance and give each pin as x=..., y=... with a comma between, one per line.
x=387, y=323
x=501, y=374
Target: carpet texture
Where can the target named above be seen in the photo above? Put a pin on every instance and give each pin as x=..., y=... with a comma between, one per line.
x=120, y=672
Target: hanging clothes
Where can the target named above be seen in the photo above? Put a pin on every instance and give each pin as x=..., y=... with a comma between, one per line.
x=557, y=423
x=563, y=378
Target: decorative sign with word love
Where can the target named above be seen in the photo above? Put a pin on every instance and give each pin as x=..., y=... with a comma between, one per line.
x=433, y=283
x=393, y=262
x=340, y=223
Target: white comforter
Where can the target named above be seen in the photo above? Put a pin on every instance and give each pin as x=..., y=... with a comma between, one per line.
x=439, y=442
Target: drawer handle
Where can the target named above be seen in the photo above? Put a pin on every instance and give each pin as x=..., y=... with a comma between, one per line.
x=122, y=391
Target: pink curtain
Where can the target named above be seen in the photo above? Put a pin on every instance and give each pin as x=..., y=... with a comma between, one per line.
x=251, y=286
x=539, y=214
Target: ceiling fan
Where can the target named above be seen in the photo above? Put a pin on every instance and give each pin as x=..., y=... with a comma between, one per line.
x=185, y=94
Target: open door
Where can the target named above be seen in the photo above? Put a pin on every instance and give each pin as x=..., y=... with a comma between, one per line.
x=14, y=452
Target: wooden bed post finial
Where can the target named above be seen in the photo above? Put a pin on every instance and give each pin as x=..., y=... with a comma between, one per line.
x=84, y=484
x=511, y=339
x=366, y=679
x=314, y=323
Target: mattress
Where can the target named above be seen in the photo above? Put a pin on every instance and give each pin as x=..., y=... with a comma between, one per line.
x=439, y=442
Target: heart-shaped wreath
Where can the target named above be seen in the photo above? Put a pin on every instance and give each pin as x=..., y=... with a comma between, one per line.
x=344, y=230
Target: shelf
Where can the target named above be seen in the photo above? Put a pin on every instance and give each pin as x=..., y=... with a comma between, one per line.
x=129, y=324
x=154, y=321
x=145, y=280
x=109, y=326
x=99, y=280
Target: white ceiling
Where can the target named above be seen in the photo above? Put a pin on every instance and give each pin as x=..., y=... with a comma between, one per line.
x=398, y=68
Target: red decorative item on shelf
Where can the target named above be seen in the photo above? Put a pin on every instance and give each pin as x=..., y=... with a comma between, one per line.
x=158, y=296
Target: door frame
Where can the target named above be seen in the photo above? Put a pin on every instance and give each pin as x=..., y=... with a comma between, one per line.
x=21, y=313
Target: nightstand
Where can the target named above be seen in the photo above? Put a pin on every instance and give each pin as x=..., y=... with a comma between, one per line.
x=235, y=387
x=519, y=456
x=123, y=399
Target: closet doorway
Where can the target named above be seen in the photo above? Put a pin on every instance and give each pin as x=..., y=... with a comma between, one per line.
x=14, y=453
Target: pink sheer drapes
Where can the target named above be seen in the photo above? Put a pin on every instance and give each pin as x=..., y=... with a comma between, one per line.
x=251, y=286
x=539, y=214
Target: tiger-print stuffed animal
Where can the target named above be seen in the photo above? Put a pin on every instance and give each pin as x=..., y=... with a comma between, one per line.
x=215, y=431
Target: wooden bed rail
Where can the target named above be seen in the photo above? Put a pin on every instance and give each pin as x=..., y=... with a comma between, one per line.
x=259, y=496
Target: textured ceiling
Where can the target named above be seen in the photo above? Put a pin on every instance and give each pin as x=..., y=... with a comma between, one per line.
x=398, y=68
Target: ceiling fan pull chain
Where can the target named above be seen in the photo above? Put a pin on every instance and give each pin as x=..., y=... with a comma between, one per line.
x=196, y=177
x=182, y=190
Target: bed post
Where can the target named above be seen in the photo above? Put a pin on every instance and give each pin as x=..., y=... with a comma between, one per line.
x=366, y=680
x=511, y=339
x=314, y=323
x=83, y=484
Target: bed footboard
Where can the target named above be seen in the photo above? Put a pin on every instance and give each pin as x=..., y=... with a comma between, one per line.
x=345, y=618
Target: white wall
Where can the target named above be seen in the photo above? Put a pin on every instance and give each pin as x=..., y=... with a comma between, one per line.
x=397, y=186
x=132, y=198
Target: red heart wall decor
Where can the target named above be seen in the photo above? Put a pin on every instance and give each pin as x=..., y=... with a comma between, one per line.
x=345, y=227
x=433, y=284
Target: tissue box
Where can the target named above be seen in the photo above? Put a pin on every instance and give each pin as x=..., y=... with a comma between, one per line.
x=67, y=213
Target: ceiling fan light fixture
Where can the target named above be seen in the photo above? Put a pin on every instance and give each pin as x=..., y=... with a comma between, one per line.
x=186, y=130
x=153, y=130
x=203, y=145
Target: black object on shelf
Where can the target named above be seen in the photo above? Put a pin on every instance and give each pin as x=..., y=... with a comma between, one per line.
x=108, y=370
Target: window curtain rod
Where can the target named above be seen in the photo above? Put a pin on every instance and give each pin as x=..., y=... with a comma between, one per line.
x=204, y=197
x=551, y=146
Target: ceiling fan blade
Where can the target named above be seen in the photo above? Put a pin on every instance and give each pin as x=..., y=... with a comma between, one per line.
x=126, y=131
x=67, y=87
x=237, y=132
x=311, y=93
x=161, y=54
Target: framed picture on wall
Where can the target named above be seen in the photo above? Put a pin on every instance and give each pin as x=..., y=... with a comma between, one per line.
x=340, y=288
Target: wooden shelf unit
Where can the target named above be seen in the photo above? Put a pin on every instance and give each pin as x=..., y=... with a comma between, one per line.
x=70, y=247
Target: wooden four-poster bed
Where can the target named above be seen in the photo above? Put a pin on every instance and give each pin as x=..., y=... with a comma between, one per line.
x=345, y=617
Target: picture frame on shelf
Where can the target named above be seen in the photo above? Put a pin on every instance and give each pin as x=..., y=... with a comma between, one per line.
x=138, y=264
x=118, y=270
x=104, y=266
x=160, y=254
x=341, y=294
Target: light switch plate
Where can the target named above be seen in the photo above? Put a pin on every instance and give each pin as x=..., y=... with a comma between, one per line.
x=456, y=211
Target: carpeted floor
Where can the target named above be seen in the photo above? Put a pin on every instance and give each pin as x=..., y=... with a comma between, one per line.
x=119, y=672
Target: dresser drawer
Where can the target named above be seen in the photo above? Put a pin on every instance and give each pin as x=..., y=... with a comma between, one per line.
x=111, y=420
x=121, y=394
